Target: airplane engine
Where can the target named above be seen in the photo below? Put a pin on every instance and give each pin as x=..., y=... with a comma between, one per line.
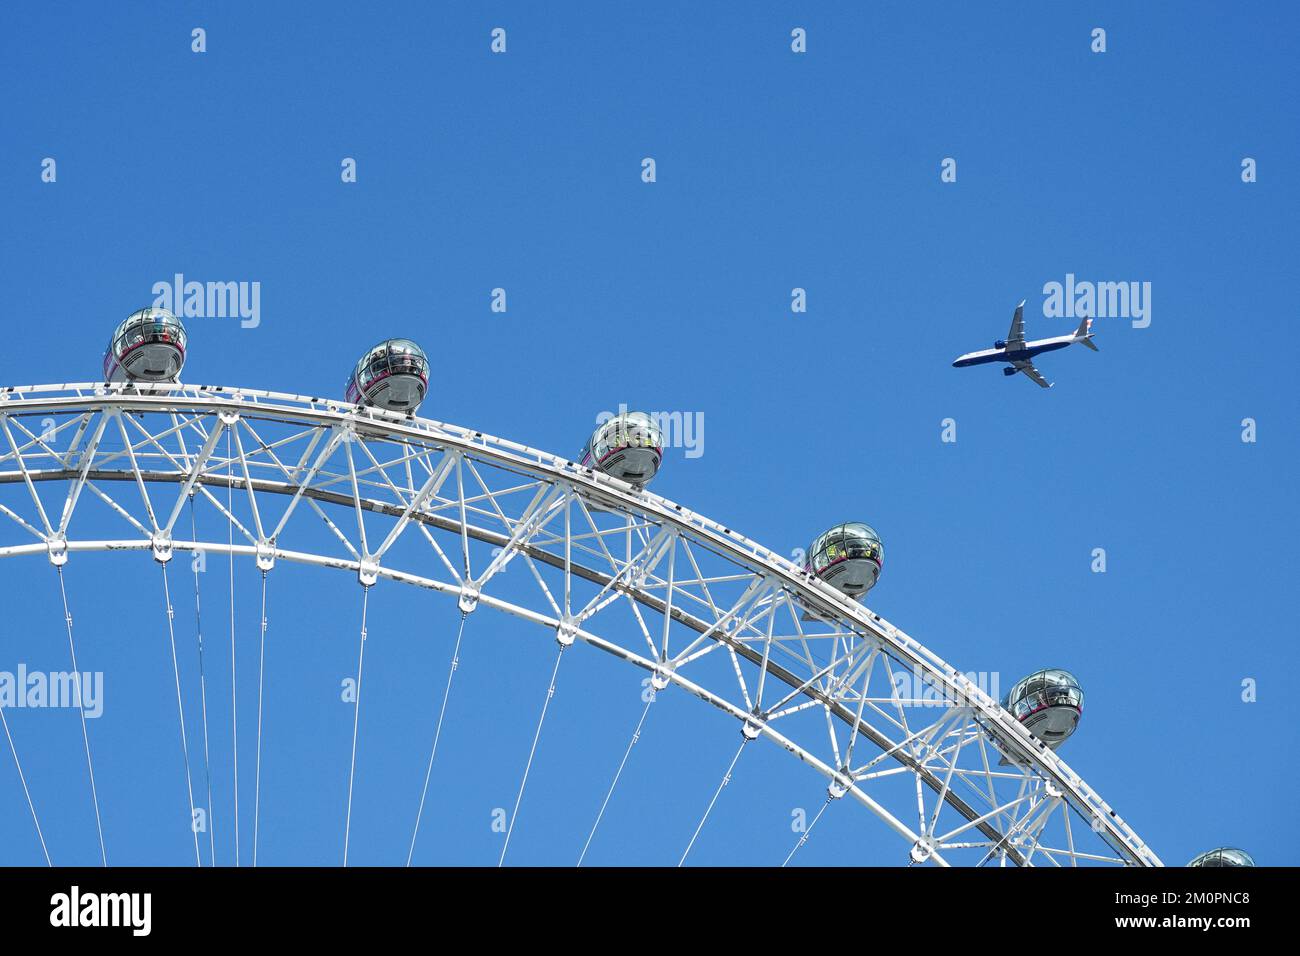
x=1000, y=344
x=1008, y=371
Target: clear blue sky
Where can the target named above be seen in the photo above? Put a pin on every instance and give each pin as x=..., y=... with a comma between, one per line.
x=775, y=171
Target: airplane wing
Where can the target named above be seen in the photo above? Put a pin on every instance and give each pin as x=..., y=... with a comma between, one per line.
x=1033, y=373
x=1016, y=337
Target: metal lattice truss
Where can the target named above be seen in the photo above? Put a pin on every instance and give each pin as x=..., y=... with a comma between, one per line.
x=889, y=724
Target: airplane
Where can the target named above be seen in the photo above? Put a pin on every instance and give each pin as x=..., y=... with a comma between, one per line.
x=1020, y=354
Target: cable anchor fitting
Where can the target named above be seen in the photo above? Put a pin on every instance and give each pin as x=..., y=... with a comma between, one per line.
x=57, y=545
x=161, y=543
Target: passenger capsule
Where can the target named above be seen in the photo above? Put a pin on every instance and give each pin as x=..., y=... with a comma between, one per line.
x=848, y=557
x=149, y=346
x=392, y=375
x=1049, y=703
x=1223, y=856
x=629, y=446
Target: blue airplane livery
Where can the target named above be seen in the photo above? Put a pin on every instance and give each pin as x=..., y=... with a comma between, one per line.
x=1019, y=354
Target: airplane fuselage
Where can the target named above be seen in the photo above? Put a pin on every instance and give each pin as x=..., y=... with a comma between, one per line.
x=1030, y=349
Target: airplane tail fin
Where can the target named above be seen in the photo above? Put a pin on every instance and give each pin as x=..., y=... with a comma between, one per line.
x=1083, y=334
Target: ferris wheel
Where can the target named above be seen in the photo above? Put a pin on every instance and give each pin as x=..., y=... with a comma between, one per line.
x=365, y=488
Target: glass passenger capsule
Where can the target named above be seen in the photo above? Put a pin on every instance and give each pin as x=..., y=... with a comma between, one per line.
x=848, y=557
x=629, y=446
x=1049, y=703
x=392, y=375
x=148, y=346
x=1223, y=856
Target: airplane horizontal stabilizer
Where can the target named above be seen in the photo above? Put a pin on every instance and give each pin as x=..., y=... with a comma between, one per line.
x=1083, y=334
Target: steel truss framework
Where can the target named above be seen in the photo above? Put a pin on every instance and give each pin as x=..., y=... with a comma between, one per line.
x=982, y=790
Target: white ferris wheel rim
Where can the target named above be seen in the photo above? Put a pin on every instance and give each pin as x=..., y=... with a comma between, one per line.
x=231, y=403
